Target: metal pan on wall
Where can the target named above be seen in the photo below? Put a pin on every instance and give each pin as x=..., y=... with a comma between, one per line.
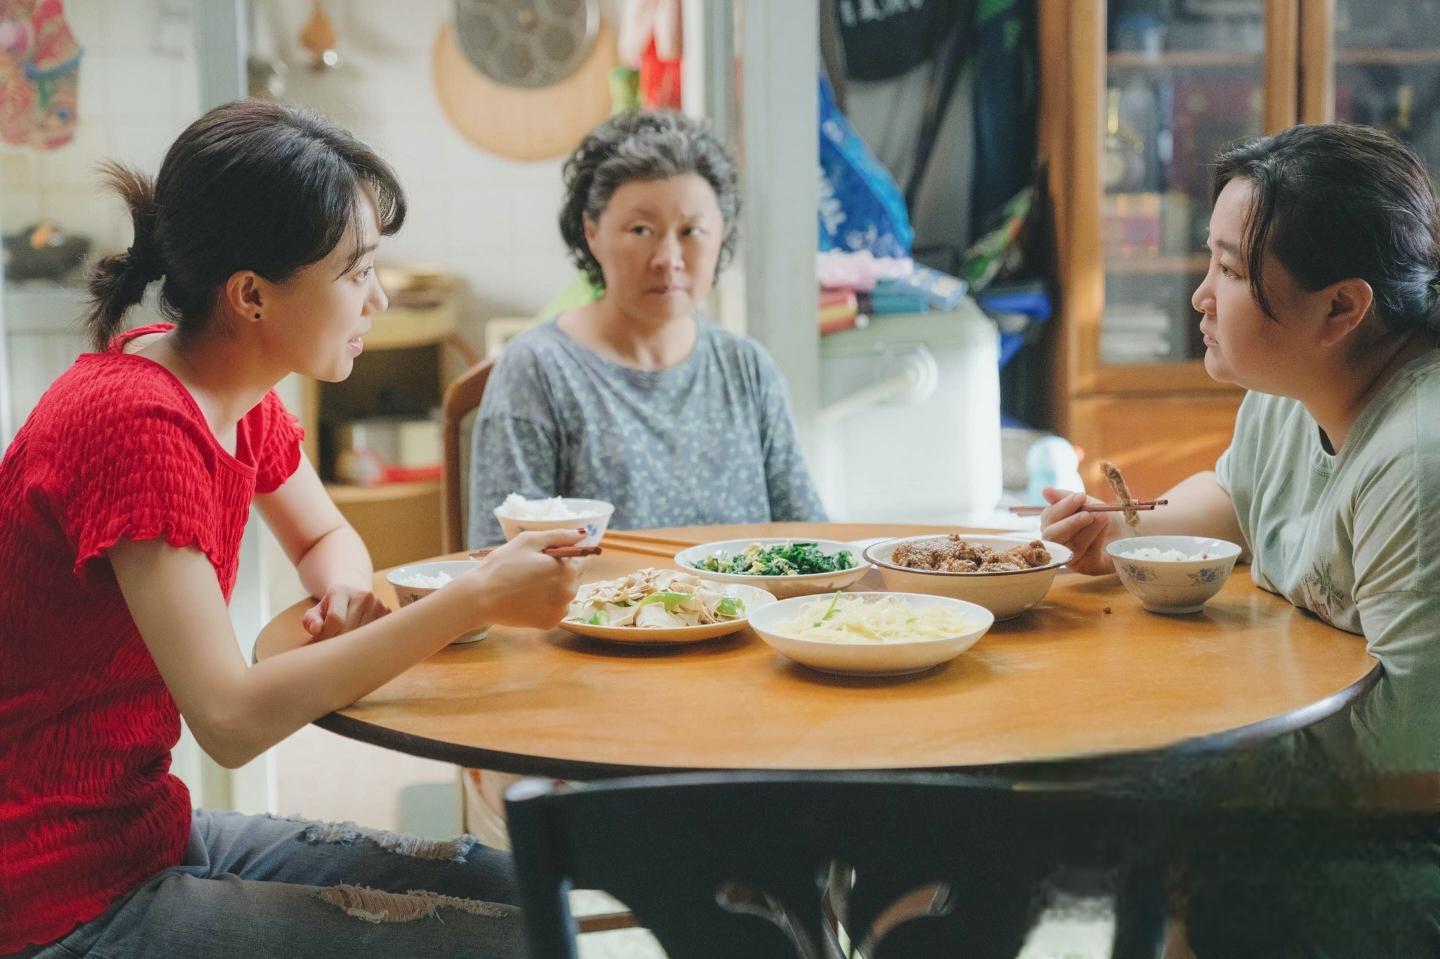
x=524, y=81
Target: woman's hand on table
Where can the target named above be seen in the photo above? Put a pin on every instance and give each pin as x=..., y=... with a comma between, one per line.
x=342, y=609
x=1085, y=533
x=519, y=585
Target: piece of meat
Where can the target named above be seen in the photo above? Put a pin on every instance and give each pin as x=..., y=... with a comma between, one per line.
x=1030, y=555
x=952, y=554
x=1122, y=492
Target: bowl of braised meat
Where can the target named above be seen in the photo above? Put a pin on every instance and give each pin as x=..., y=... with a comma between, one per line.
x=1005, y=574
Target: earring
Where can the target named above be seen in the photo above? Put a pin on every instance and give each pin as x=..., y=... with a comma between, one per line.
x=257, y=316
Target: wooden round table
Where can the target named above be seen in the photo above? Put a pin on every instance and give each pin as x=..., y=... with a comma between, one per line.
x=1087, y=673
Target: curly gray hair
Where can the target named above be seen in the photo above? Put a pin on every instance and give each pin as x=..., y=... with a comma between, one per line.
x=646, y=145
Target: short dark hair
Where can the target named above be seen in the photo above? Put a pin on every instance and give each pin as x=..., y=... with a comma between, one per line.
x=251, y=185
x=1334, y=201
x=645, y=145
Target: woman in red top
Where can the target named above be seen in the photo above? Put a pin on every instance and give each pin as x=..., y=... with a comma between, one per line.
x=122, y=503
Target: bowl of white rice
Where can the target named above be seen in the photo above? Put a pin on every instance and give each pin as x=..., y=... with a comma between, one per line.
x=1173, y=574
x=518, y=515
x=418, y=580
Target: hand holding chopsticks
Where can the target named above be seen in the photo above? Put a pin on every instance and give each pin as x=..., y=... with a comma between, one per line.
x=1138, y=505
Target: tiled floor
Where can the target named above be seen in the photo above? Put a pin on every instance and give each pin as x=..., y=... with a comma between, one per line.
x=1070, y=930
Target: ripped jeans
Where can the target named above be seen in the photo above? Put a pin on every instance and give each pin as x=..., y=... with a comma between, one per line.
x=257, y=886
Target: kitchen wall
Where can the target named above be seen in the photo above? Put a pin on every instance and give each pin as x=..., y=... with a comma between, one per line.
x=487, y=219
x=490, y=220
x=137, y=91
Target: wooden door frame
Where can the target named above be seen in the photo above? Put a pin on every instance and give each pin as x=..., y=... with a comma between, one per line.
x=1073, y=74
x=1317, y=61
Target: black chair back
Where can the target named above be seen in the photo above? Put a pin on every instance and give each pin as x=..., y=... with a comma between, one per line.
x=805, y=866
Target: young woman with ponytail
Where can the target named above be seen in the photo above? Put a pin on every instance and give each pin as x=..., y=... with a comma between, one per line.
x=1322, y=301
x=122, y=503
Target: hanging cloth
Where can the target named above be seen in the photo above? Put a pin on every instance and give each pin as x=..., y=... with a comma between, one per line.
x=650, y=41
x=39, y=74
x=883, y=39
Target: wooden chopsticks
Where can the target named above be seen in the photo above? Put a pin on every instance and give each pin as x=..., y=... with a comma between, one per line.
x=620, y=535
x=559, y=552
x=641, y=544
x=1139, y=505
x=618, y=541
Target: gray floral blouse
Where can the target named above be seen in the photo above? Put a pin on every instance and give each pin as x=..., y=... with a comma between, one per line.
x=710, y=440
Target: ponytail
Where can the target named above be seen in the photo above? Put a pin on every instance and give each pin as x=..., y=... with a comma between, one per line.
x=118, y=282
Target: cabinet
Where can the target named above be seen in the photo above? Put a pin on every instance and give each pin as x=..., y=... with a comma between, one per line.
x=1137, y=97
x=1375, y=62
x=403, y=370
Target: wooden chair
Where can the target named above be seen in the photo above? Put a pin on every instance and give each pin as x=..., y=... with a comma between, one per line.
x=480, y=810
x=462, y=397
x=767, y=866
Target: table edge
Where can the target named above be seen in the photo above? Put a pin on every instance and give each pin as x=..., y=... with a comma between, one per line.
x=1239, y=737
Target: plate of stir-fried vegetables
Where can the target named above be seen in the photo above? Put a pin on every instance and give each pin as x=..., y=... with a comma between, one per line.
x=661, y=606
x=785, y=567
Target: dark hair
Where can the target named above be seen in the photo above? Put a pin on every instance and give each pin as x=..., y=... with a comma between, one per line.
x=1334, y=201
x=645, y=145
x=251, y=185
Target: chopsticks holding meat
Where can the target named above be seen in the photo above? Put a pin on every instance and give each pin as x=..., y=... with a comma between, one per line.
x=559, y=552
x=1139, y=504
x=1122, y=492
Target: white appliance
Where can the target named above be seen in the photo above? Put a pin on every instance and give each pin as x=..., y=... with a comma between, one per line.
x=909, y=424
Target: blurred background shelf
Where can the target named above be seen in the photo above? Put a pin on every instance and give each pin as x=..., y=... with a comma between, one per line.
x=402, y=328
x=1159, y=265
x=402, y=373
x=1139, y=97
x=1426, y=57
x=345, y=494
x=1182, y=59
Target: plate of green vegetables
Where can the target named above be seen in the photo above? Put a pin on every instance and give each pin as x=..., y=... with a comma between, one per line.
x=784, y=567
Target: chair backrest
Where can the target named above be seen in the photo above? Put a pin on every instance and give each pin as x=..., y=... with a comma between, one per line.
x=461, y=398
x=756, y=865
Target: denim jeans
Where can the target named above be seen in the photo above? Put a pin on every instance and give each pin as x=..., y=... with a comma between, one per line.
x=257, y=886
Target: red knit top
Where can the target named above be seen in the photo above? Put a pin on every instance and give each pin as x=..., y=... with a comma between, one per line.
x=115, y=449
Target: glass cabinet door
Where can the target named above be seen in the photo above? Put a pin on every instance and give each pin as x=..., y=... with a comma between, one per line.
x=1184, y=79
x=1387, y=70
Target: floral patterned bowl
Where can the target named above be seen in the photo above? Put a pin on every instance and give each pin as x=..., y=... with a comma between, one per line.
x=1173, y=585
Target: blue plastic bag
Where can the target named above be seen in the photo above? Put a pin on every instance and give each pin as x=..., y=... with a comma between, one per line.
x=861, y=208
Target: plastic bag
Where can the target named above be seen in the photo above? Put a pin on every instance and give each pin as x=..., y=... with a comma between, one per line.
x=861, y=207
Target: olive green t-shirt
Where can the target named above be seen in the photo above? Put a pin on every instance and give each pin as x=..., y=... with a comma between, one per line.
x=1354, y=537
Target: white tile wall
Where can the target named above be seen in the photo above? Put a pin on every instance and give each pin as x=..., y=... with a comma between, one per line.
x=137, y=92
x=489, y=220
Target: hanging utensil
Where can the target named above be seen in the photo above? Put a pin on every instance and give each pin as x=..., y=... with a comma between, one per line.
x=524, y=44
x=523, y=123
x=318, y=37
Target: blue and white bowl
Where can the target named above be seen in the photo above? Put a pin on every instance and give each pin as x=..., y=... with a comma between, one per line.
x=1181, y=582
x=415, y=581
x=591, y=515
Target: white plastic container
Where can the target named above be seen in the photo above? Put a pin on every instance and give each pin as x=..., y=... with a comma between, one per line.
x=911, y=438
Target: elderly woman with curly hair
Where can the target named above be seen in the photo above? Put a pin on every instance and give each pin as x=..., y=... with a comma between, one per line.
x=636, y=398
